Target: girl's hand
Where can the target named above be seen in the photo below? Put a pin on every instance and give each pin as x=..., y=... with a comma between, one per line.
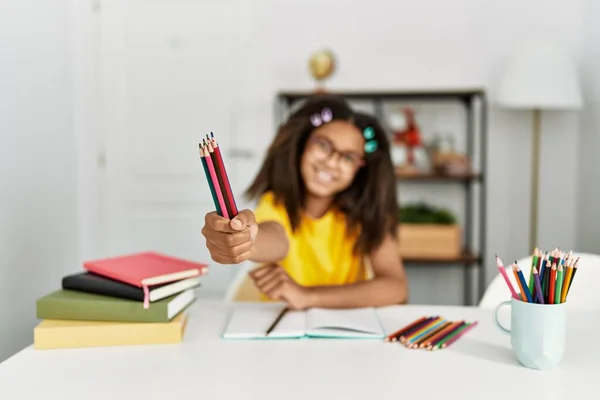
x=273, y=281
x=230, y=241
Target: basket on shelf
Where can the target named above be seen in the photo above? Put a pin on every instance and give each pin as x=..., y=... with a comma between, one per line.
x=428, y=233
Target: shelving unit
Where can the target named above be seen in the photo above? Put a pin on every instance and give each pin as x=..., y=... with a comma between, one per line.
x=474, y=234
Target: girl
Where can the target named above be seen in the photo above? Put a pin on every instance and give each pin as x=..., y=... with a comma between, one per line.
x=327, y=206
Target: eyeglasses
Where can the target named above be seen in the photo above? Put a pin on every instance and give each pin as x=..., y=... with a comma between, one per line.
x=323, y=149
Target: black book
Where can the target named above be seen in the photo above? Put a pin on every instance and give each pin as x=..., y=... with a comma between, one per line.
x=92, y=283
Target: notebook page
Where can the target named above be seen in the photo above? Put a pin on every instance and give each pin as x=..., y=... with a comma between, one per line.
x=357, y=322
x=293, y=324
x=252, y=322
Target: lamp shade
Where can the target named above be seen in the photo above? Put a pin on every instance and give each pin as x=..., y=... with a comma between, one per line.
x=542, y=75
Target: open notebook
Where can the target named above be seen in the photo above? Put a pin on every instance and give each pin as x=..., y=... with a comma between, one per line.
x=253, y=322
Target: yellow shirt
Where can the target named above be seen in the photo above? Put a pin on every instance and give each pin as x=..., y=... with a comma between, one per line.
x=320, y=251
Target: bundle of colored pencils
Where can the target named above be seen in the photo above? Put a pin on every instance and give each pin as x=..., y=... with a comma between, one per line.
x=550, y=277
x=216, y=175
x=430, y=333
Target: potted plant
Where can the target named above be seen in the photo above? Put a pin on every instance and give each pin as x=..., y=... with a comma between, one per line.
x=428, y=232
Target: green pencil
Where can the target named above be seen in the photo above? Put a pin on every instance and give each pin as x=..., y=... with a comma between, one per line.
x=210, y=184
x=534, y=263
x=439, y=344
x=559, y=283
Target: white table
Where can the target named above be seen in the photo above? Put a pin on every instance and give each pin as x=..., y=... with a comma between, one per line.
x=480, y=365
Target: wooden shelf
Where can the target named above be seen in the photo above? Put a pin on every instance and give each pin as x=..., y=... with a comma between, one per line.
x=443, y=93
x=440, y=177
x=465, y=258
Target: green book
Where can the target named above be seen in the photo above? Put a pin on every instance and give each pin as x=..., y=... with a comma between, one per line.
x=268, y=321
x=75, y=305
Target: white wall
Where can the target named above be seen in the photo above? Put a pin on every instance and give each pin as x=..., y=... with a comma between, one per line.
x=589, y=162
x=38, y=238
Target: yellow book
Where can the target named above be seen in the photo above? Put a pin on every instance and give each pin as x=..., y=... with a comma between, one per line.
x=62, y=334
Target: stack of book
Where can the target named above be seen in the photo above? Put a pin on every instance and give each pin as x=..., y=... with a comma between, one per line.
x=129, y=300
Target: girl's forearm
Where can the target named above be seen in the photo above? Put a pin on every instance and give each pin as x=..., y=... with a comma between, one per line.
x=382, y=291
x=270, y=244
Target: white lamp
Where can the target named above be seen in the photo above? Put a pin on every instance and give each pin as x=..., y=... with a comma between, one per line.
x=540, y=75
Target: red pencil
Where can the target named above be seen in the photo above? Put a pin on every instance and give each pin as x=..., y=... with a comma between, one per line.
x=227, y=186
x=552, y=284
x=394, y=336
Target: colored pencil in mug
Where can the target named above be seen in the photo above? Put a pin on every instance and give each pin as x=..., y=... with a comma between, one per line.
x=215, y=181
x=542, y=268
x=522, y=292
x=552, y=284
x=523, y=283
x=559, y=284
x=565, y=285
x=394, y=336
x=215, y=150
x=459, y=335
x=538, y=288
x=502, y=270
x=534, y=261
x=575, y=267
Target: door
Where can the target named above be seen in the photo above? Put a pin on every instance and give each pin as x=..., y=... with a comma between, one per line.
x=167, y=79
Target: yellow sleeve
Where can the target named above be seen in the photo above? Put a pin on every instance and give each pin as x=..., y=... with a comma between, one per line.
x=268, y=210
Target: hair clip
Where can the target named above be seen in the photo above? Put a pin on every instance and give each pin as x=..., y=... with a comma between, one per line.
x=326, y=115
x=371, y=144
x=315, y=120
x=318, y=119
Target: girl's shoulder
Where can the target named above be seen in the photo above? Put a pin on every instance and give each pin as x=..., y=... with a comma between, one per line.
x=269, y=209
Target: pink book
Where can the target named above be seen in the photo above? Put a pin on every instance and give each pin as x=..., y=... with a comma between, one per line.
x=146, y=269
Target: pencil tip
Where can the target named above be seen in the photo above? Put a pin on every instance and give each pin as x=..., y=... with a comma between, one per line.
x=212, y=134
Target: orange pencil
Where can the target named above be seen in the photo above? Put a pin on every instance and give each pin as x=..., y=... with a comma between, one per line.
x=522, y=293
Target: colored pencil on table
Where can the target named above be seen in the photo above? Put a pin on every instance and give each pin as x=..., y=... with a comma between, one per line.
x=448, y=333
x=457, y=331
x=450, y=328
x=460, y=334
x=523, y=283
x=209, y=180
x=502, y=270
x=215, y=182
x=402, y=337
x=559, y=284
x=394, y=336
x=538, y=289
x=410, y=337
x=552, y=284
x=410, y=342
x=213, y=147
x=419, y=343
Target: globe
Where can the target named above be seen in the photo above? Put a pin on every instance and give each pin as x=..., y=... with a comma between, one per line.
x=322, y=64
